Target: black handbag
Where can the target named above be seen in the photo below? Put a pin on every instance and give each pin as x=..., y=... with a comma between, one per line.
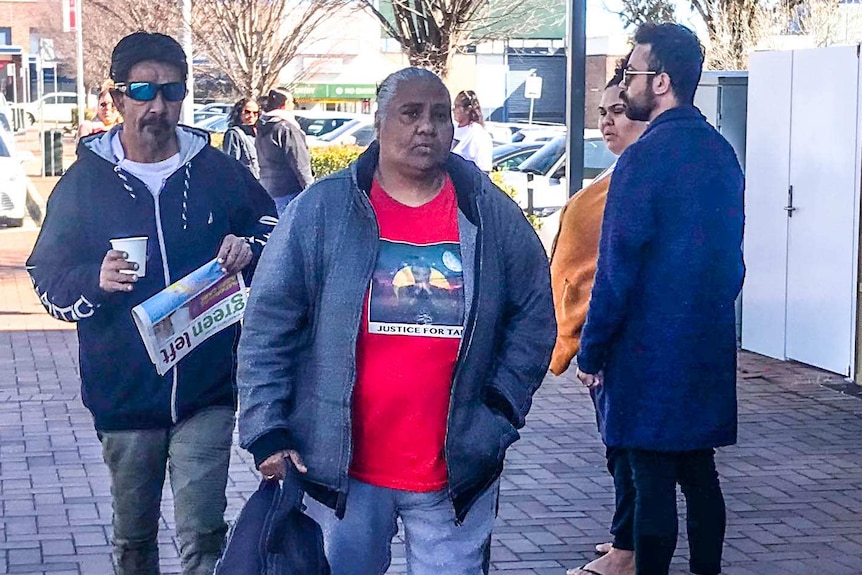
x=273, y=535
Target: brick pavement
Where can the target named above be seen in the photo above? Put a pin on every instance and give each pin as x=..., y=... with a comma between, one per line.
x=793, y=484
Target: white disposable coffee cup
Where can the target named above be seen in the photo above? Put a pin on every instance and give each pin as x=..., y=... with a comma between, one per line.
x=137, y=249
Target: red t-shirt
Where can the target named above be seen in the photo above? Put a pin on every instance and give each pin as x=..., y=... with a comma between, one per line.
x=411, y=329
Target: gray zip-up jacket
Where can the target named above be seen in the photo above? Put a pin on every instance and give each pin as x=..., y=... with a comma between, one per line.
x=297, y=353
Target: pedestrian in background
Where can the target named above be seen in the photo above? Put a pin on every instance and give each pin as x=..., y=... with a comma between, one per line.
x=573, y=269
x=659, y=345
x=285, y=164
x=239, y=138
x=471, y=140
x=107, y=115
x=150, y=178
x=368, y=363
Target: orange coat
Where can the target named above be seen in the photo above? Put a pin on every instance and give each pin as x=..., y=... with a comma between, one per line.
x=573, y=266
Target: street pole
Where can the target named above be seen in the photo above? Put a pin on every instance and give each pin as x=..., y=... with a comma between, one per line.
x=188, y=103
x=576, y=48
x=40, y=91
x=79, y=56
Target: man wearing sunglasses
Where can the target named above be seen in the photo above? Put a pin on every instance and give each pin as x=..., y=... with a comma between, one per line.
x=151, y=177
x=659, y=346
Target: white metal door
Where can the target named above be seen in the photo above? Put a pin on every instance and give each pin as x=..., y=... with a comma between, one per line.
x=822, y=223
x=767, y=169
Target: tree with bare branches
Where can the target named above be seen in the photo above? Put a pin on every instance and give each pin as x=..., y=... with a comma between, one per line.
x=248, y=41
x=636, y=12
x=735, y=27
x=252, y=41
x=430, y=32
x=107, y=21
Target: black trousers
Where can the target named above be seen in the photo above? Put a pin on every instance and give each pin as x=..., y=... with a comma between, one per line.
x=655, y=475
x=622, y=526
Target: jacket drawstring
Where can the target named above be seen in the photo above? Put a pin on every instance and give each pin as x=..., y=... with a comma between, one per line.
x=186, y=195
x=125, y=181
x=128, y=188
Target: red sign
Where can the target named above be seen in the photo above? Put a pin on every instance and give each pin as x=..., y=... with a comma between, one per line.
x=70, y=15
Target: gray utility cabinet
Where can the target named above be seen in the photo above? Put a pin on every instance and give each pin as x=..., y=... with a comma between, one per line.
x=722, y=97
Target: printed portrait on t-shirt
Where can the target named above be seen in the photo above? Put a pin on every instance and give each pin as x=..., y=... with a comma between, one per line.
x=417, y=290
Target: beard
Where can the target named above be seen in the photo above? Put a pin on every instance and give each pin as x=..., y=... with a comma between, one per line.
x=641, y=108
x=156, y=127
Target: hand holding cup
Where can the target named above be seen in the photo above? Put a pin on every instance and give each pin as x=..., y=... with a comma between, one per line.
x=117, y=272
x=123, y=264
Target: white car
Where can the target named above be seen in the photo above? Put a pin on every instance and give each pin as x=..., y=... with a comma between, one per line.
x=13, y=184
x=544, y=172
x=55, y=108
x=317, y=123
x=353, y=133
x=206, y=111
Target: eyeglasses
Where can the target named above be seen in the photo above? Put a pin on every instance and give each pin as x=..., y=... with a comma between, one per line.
x=146, y=91
x=628, y=74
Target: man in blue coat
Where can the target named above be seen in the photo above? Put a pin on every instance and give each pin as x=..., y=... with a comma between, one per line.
x=659, y=345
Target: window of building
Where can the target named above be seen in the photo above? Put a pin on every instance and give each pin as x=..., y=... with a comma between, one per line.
x=5, y=36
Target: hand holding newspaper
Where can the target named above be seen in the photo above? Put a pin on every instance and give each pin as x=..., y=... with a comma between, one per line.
x=183, y=315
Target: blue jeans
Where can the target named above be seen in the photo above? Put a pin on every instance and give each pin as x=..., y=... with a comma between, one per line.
x=197, y=451
x=360, y=544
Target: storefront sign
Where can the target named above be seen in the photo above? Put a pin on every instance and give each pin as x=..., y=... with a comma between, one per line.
x=335, y=91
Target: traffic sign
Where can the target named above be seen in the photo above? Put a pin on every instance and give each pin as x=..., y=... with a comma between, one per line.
x=533, y=87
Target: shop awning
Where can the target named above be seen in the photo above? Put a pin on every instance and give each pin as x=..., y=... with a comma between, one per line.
x=335, y=91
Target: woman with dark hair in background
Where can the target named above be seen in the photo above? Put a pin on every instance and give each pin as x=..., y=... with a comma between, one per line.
x=107, y=116
x=239, y=138
x=285, y=165
x=471, y=141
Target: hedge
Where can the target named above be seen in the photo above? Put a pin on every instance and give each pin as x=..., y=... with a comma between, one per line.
x=330, y=159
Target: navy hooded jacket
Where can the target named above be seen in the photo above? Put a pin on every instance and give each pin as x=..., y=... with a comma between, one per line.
x=208, y=197
x=661, y=322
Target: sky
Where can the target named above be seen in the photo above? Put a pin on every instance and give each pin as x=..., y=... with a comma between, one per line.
x=603, y=21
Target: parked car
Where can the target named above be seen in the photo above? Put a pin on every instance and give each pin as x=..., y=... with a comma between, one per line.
x=5, y=109
x=502, y=132
x=539, y=133
x=13, y=183
x=316, y=123
x=211, y=110
x=510, y=156
x=216, y=124
x=544, y=172
x=54, y=108
x=359, y=132
x=5, y=124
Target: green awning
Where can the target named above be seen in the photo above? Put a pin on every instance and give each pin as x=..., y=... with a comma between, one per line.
x=335, y=91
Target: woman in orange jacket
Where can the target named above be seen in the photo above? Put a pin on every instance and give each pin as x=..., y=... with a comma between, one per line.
x=573, y=269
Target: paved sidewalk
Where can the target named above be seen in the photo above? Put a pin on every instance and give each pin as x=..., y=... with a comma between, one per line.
x=793, y=484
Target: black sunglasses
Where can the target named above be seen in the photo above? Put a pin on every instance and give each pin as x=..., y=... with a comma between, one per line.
x=146, y=91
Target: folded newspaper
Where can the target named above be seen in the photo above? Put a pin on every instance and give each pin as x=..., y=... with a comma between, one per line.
x=183, y=315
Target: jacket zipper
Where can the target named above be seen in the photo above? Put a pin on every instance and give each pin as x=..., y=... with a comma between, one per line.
x=355, y=337
x=164, y=253
x=465, y=349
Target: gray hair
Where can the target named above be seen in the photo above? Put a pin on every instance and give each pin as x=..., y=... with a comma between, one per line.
x=387, y=88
